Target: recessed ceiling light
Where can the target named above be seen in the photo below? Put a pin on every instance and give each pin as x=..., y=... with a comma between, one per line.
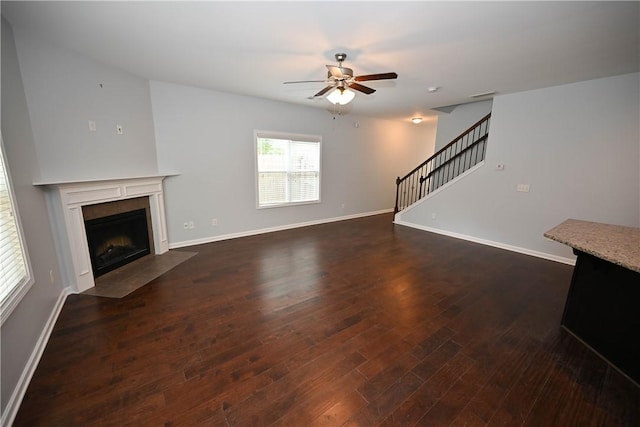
x=417, y=120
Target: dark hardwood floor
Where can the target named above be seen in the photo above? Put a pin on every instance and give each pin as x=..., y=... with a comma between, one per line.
x=355, y=323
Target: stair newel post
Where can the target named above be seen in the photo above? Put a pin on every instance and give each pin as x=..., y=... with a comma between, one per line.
x=396, y=210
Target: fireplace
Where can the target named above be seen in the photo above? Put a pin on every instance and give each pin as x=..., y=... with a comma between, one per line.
x=116, y=240
x=74, y=203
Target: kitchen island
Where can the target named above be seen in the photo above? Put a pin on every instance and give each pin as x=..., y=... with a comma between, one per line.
x=603, y=304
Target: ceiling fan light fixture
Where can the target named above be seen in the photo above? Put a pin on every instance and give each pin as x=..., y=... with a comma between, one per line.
x=417, y=120
x=341, y=96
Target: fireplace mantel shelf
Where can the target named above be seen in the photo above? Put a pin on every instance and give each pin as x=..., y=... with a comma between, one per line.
x=99, y=180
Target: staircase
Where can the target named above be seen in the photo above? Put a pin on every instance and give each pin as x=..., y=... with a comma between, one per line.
x=460, y=155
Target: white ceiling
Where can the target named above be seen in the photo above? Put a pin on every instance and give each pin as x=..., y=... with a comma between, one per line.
x=250, y=48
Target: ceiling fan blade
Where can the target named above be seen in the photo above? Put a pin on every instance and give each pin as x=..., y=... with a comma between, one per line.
x=339, y=72
x=381, y=76
x=304, y=81
x=323, y=91
x=360, y=88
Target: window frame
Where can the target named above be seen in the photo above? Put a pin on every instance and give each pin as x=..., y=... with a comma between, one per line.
x=20, y=289
x=296, y=137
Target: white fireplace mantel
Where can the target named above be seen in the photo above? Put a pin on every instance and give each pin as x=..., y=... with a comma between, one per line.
x=66, y=201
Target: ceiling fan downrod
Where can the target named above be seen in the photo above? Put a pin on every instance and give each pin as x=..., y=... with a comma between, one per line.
x=340, y=57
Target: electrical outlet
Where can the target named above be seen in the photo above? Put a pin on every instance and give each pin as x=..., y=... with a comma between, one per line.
x=500, y=166
x=52, y=277
x=185, y=225
x=214, y=221
x=191, y=225
x=523, y=188
x=434, y=215
x=92, y=126
x=119, y=130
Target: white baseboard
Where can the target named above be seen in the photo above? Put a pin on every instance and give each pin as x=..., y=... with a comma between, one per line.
x=175, y=245
x=495, y=244
x=11, y=410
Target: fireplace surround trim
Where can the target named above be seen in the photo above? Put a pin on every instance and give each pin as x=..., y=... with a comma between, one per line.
x=66, y=200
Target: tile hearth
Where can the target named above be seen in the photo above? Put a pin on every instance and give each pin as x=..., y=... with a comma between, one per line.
x=131, y=277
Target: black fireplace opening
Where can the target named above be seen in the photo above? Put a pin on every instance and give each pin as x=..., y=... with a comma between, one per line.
x=116, y=240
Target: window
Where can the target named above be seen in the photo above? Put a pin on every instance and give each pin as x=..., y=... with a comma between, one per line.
x=288, y=169
x=15, y=279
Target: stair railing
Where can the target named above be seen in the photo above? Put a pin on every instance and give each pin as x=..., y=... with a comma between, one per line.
x=461, y=154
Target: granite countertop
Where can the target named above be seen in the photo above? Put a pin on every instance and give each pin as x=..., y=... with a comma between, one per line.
x=614, y=243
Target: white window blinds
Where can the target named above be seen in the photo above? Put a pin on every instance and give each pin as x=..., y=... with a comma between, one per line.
x=288, y=169
x=14, y=276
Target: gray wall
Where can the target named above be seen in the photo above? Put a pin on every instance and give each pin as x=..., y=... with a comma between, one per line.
x=576, y=145
x=23, y=328
x=462, y=117
x=207, y=137
x=63, y=93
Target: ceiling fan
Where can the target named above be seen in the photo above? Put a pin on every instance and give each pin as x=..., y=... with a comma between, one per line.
x=342, y=79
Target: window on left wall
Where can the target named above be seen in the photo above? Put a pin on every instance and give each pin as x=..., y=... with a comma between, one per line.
x=15, y=274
